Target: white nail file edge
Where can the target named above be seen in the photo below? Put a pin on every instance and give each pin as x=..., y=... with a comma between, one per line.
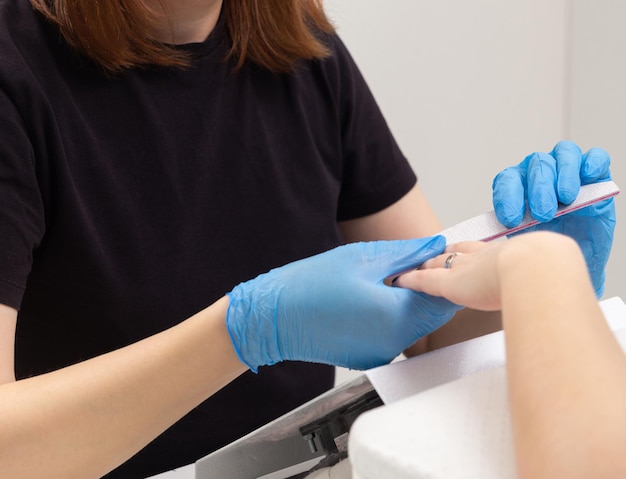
x=486, y=227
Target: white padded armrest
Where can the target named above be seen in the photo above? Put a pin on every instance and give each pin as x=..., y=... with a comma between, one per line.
x=460, y=429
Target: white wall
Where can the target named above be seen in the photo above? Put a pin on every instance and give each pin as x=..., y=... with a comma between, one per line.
x=598, y=106
x=471, y=87
x=468, y=87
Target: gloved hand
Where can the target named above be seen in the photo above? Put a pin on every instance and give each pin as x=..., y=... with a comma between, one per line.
x=334, y=308
x=542, y=181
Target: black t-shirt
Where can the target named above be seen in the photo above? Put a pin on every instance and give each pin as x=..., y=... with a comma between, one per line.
x=130, y=202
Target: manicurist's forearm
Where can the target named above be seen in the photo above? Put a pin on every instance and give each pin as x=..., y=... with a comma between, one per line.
x=567, y=375
x=84, y=420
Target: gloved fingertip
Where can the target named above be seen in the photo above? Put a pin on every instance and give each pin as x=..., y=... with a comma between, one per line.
x=403, y=255
x=437, y=242
x=507, y=214
x=509, y=177
x=543, y=207
x=429, y=245
x=566, y=146
x=544, y=215
x=543, y=198
x=509, y=196
x=595, y=166
x=567, y=191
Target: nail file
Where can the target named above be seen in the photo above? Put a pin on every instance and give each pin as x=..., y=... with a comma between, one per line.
x=486, y=227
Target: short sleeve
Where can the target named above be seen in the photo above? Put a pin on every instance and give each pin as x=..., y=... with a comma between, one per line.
x=21, y=211
x=375, y=174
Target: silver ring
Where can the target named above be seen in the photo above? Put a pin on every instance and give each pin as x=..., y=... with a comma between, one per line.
x=449, y=260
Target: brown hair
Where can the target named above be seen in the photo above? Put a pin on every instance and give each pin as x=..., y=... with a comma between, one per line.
x=116, y=34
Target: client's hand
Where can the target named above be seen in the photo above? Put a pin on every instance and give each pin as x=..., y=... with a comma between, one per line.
x=475, y=274
x=334, y=307
x=466, y=274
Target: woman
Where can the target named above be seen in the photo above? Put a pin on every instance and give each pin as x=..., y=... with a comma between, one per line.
x=566, y=372
x=155, y=154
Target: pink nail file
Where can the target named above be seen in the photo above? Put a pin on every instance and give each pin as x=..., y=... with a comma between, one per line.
x=486, y=227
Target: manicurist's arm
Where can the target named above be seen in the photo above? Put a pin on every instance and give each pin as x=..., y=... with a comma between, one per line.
x=566, y=372
x=333, y=308
x=84, y=420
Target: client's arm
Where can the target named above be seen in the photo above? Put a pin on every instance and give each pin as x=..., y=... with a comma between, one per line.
x=566, y=372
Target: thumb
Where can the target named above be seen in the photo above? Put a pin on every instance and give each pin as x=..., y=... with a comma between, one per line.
x=389, y=258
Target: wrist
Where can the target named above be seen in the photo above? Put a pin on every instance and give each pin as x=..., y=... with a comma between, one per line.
x=251, y=328
x=530, y=253
x=531, y=265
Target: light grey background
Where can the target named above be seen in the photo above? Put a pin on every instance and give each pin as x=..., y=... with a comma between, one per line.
x=471, y=87
x=598, y=105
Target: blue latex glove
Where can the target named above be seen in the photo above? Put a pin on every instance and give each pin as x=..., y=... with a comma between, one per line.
x=542, y=181
x=334, y=308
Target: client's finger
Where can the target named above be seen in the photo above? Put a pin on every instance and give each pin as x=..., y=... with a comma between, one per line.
x=429, y=281
x=446, y=259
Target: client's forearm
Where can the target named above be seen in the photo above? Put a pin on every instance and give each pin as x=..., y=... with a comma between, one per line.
x=567, y=374
x=466, y=324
